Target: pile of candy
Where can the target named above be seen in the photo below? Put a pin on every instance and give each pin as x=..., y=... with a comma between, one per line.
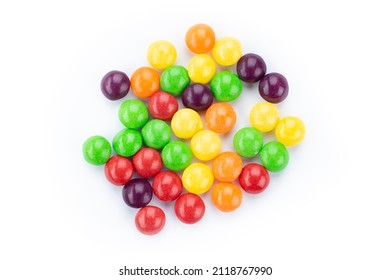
x=144, y=146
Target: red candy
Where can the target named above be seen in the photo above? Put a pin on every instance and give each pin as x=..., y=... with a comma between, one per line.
x=162, y=105
x=118, y=170
x=167, y=186
x=254, y=178
x=147, y=162
x=189, y=208
x=150, y=220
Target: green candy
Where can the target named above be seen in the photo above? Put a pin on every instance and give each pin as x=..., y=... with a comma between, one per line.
x=127, y=142
x=133, y=113
x=176, y=155
x=174, y=80
x=96, y=150
x=156, y=134
x=274, y=156
x=247, y=142
x=226, y=86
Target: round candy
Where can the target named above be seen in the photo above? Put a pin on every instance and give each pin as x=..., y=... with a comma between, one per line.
x=197, y=97
x=247, y=142
x=290, y=131
x=264, y=116
x=226, y=196
x=201, y=69
x=96, y=150
x=226, y=86
x=118, y=170
x=137, y=193
x=161, y=54
x=220, y=117
x=200, y=38
x=133, y=113
x=185, y=123
x=205, y=145
x=227, y=51
x=251, y=68
x=254, y=178
x=189, y=208
x=273, y=87
x=115, y=85
x=150, y=220
x=174, y=80
x=144, y=82
x=147, y=162
x=197, y=178
x=176, y=155
x=274, y=156
x=167, y=186
x=127, y=142
x=162, y=105
x=156, y=134
x=227, y=167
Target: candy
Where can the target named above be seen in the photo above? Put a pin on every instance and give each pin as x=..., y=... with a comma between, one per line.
x=197, y=97
x=273, y=87
x=274, y=156
x=167, y=186
x=174, y=80
x=127, y=142
x=185, y=123
x=220, y=117
x=227, y=51
x=162, y=105
x=161, y=54
x=264, y=116
x=201, y=69
x=226, y=86
x=176, y=155
x=254, y=178
x=144, y=82
x=115, y=85
x=227, y=167
x=118, y=170
x=189, y=208
x=226, y=197
x=147, y=162
x=156, y=134
x=197, y=178
x=290, y=131
x=133, y=113
x=247, y=142
x=96, y=150
x=251, y=68
x=205, y=145
x=200, y=38
x=150, y=220
x=137, y=193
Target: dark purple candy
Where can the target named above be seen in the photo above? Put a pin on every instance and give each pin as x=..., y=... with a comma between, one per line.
x=115, y=85
x=197, y=97
x=137, y=193
x=273, y=87
x=251, y=68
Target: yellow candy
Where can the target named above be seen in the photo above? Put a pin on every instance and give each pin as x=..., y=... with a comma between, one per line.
x=201, y=69
x=290, y=131
x=264, y=116
x=161, y=54
x=197, y=178
x=185, y=123
x=227, y=51
x=205, y=145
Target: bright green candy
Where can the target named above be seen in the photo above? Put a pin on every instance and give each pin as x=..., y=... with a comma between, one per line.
x=156, y=134
x=96, y=150
x=174, y=80
x=133, y=113
x=127, y=142
x=248, y=142
x=274, y=156
x=226, y=86
x=176, y=155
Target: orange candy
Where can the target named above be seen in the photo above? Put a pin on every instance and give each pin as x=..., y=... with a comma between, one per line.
x=144, y=82
x=200, y=38
x=227, y=167
x=226, y=197
x=220, y=117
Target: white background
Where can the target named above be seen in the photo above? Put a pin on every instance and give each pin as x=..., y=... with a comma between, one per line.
x=325, y=217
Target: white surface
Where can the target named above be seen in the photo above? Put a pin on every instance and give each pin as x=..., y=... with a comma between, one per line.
x=325, y=217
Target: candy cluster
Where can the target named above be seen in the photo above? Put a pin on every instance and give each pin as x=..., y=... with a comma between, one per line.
x=146, y=145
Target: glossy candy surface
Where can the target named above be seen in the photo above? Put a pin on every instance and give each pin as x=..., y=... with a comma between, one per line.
x=201, y=69
x=96, y=150
x=156, y=134
x=147, y=162
x=220, y=117
x=197, y=97
x=118, y=170
x=133, y=113
x=161, y=54
x=150, y=220
x=205, y=145
x=274, y=156
x=127, y=142
x=273, y=87
x=254, y=178
x=226, y=86
x=115, y=85
x=144, y=82
x=167, y=186
x=189, y=208
x=227, y=51
x=227, y=167
x=200, y=38
x=197, y=178
x=264, y=116
x=137, y=193
x=247, y=142
x=226, y=196
x=185, y=123
x=176, y=155
x=162, y=105
x=251, y=68
x=174, y=80
x=290, y=131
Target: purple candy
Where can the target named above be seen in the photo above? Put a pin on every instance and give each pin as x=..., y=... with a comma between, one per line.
x=115, y=85
x=197, y=97
x=137, y=193
x=273, y=87
x=251, y=68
